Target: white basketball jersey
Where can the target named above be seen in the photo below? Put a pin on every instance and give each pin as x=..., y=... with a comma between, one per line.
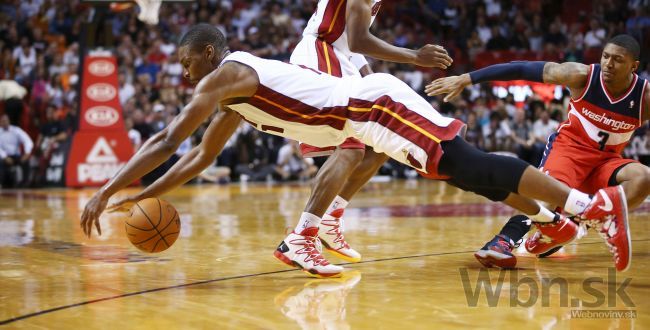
x=328, y=23
x=275, y=108
x=322, y=110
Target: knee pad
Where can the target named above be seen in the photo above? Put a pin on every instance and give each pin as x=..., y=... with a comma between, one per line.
x=495, y=195
x=469, y=167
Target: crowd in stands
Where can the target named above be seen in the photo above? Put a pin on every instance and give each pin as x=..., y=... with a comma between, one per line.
x=40, y=45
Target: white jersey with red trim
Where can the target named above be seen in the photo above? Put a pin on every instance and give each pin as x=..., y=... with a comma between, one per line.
x=322, y=110
x=328, y=23
x=598, y=120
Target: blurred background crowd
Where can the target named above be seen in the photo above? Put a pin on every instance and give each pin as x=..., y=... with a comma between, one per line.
x=40, y=61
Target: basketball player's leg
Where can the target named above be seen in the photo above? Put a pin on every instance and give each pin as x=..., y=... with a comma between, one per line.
x=301, y=247
x=460, y=160
x=588, y=172
x=631, y=175
x=635, y=179
x=311, y=229
x=371, y=163
x=569, y=167
x=331, y=178
x=608, y=207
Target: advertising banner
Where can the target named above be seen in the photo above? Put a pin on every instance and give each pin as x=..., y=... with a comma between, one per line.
x=101, y=146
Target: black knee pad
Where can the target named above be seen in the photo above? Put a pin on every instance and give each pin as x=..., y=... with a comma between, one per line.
x=495, y=195
x=474, y=169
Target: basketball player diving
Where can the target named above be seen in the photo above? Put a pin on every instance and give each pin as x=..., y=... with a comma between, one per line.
x=303, y=104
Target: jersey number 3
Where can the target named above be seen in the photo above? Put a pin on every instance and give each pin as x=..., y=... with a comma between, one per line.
x=604, y=136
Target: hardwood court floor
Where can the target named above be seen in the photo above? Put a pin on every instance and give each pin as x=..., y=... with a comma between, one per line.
x=418, y=271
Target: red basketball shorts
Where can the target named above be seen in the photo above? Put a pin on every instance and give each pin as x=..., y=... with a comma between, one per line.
x=580, y=167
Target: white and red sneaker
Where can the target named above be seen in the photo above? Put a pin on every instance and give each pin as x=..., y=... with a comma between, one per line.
x=302, y=251
x=608, y=212
x=332, y=238
x=551, y=235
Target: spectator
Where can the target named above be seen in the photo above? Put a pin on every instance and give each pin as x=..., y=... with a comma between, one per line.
x=134, y=135
x=475, y=45
x=126, y=89
x=522, y=137
x=24, y=60
x=292, y=165
x=254, y=164
x=555, y=37
x=484, y=31
x=474, y=134
x=15, y=149
x=543, y=127
x=496, y=133
x=596, y=35
x=497, y=41
x=52, y=133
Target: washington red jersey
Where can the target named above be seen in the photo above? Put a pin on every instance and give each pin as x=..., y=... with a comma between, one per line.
x=601, y=121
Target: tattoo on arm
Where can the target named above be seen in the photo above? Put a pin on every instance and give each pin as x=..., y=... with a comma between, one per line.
x=570, y=74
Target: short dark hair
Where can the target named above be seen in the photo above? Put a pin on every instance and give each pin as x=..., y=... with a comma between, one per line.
x=629, y=43
x=201, y=35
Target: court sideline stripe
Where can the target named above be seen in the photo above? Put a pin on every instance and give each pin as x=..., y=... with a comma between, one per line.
x=51, y=310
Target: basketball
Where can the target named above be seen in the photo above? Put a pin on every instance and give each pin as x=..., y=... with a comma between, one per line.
x=152, y=225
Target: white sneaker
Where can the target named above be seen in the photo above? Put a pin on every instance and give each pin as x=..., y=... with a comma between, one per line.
x=301, y=250
x=330, y=234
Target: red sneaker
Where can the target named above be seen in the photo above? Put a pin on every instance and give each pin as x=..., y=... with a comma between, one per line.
x=608, y=210
x=551, y=235
x=301, y=250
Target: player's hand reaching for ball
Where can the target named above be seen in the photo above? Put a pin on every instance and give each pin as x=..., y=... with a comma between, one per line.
x=91, y=213
x=432, y=56
x=452, y=86
x=124, y=204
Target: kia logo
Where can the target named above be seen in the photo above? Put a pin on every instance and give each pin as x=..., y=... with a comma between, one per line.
x=101, y=116
x=101, y=68
x=101, y=92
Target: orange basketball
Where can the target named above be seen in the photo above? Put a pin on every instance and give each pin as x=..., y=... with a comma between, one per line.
x=152, y=225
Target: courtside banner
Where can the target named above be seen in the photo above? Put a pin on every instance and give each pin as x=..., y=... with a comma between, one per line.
x=95, y=157
x=101, y=146
x=100, y=104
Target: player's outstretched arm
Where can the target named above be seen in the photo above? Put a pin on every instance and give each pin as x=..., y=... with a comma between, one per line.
x=230, y=81
x=361, y=41
x=199, y=158
x=570, y=74
x=150, y=156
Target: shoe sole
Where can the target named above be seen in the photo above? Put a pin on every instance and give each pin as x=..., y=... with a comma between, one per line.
x=550, y=252
x=337, y=253
x=311, y=272
x=490, y=259
x=553, y=249
x=627, y=229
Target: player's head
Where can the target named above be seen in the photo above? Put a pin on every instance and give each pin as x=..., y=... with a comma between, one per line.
x=200, y=51
x=620, y=58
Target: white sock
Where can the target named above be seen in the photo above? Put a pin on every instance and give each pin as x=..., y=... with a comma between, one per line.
x=337, y=203
x=544, y=215
x=577, y=202
x=307, y=220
